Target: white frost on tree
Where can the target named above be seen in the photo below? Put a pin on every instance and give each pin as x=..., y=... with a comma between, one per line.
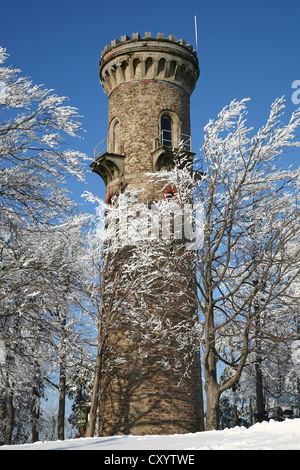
x=40, y=269
x=250, y=217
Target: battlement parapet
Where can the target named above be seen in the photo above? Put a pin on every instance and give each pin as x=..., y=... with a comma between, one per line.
x=137, y=37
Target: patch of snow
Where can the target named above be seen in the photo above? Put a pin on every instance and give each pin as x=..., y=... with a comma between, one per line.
x=261, y=436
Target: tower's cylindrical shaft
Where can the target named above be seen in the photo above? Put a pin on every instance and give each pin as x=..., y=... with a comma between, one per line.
x=148, y=82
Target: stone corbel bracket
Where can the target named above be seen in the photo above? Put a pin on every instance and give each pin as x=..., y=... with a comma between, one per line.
x=109, y=166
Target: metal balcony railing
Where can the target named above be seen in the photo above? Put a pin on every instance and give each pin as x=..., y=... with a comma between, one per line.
x=100, y=148
x=168, y=139
x=164, y=139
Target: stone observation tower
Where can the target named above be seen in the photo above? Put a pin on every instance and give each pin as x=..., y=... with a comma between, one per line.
x=148, y=82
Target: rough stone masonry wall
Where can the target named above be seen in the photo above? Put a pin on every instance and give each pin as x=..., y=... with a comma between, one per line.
x=140, y=395
x=138, y=106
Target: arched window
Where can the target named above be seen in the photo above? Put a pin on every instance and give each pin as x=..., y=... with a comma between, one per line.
x=166, y=130
x=114, y=136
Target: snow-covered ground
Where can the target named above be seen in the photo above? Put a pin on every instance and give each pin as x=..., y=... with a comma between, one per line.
x=262, y=436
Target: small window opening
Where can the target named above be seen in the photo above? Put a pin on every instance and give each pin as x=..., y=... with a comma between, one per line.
x=170, y=193
x=166, y=130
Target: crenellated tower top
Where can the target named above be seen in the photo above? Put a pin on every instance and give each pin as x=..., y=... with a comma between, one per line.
x=146, y=58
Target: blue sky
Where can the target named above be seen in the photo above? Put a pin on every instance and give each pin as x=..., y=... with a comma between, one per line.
x=246, y=48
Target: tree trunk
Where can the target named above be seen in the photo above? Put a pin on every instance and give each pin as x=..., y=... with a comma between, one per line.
x=251, y=412
x=212, y=404
x=102, y=324
x=202, y=416
x=235, y=414
x=212, y=390
x=62, y=386
x=260, y=401
x=90, y=429
x=61, y=405
x=35, y=413
x=210, y=368
x=10, y=417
